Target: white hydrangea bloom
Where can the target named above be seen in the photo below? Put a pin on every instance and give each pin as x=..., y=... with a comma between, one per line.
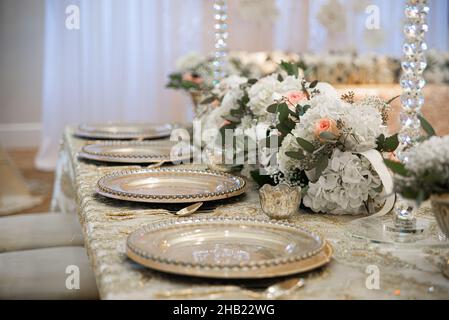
x=366, y=124
x=213, y=120
x=286, y=164
x=290, y=83
x=261, y=94
x=430, y=155
x=269, y=89
x=363, y=121
x=344, y=186
x=230, y=83
x=348, y=181
x=189, y=61
x=322, y=106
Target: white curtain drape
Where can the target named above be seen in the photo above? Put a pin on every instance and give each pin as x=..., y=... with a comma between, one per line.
x=115, y=66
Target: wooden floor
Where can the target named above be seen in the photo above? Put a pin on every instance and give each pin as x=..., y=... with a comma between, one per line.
x=39, y=182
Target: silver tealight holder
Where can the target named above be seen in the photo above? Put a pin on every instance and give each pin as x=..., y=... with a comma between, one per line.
x=280, y=201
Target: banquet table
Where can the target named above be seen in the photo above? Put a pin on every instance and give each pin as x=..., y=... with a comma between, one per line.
x=404, y=272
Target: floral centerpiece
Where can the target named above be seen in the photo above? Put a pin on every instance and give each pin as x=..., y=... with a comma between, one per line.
x=425, y=175
x=194, y=72
x=426, y=171
x=323, y=138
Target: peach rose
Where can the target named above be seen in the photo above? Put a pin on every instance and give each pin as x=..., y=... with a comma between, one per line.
x=294, y=97
x=215, y=103
x=392, y=156
x=326, y=125
x=225, y=123
x=194, y=78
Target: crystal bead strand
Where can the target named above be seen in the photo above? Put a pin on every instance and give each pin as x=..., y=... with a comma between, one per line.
x=412, y=82
x=221, y=36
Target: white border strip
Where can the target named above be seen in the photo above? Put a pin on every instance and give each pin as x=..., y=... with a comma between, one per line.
x=18, y=135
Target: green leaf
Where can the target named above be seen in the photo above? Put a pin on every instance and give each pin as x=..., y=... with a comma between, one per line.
x=272, y=108
x=298, y=155
x=231, y=118
x=306, y=145
x=326, y=135
x=301, y=110
x=321, y=165
x=283, y=111
x=313, y=84
x=380, y=142
x=392, y=99
x=409, y=193
x=427, y=127
x=307, y=71
x=209, y=100
x=244, y=100
x=252, y=81
x=391, y=143
x=289, y=124
x=291, y=68
x=396, y=167
x=236, y=113
x=283, y=129
x=421, y=197
x=261, y=179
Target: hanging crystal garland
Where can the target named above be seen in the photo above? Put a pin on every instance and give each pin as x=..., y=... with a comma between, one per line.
x=221, y=36
x=412, y=82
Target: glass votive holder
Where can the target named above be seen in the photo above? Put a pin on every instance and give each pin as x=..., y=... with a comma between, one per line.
x=280, y=201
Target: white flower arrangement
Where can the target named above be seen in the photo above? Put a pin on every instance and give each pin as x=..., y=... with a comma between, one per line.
x=345, y=187
x=195, y=72
x=230, y=92
x=322, y=137
x=426, y=171
x=270, y=89
x=326, y=144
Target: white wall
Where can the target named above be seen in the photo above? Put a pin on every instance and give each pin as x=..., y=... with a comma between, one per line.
x=21, y=51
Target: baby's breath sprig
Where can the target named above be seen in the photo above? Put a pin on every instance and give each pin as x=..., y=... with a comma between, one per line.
x=348, y=97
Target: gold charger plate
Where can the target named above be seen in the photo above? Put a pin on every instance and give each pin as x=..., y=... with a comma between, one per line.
x=228, y=248
x=170, y=185
x=122, y=130
x=137, y=151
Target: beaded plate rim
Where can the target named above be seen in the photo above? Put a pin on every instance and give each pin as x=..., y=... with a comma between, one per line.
x=128, y=158
x=244, y=266
x=106, y=191
x=142, y=134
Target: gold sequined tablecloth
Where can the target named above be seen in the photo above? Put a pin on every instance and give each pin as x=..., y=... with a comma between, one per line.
x=404, y=273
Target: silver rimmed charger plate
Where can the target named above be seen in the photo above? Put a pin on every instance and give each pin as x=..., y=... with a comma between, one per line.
x=137, y=151
x=230, y=248
x=170, y=185
x=119, y=131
